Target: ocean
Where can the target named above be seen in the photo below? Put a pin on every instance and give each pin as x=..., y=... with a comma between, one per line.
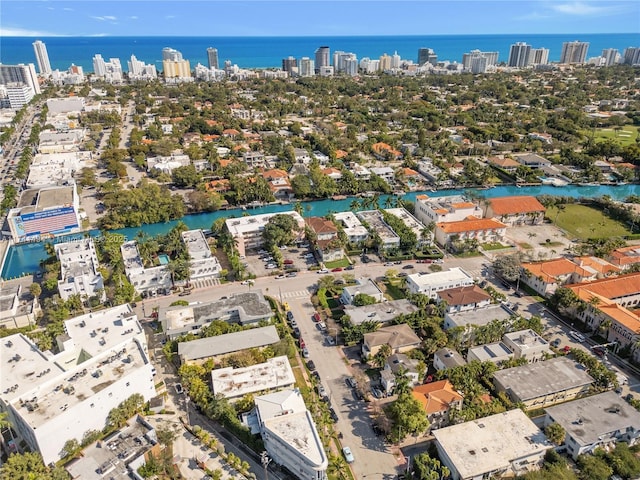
x=268, y=52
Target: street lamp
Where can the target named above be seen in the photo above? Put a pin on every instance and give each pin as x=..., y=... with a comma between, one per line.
x=264, y=460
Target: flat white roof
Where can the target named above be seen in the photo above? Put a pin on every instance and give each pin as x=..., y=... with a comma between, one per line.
x=236, y=382
x=242, y=225
x=196, y=244
x=227, y=343
x=491, y=443
x=441, y=278
x=479, y=316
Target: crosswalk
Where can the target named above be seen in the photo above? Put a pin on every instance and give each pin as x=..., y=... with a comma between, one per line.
x=296, y=294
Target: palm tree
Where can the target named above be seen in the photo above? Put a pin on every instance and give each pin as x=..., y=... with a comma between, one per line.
x=338, y=467
x=5, y=424
x=354, y=205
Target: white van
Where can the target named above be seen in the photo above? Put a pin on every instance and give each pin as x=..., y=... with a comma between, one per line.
x=578, y=337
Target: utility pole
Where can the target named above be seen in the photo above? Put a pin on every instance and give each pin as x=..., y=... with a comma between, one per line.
x=264, y=459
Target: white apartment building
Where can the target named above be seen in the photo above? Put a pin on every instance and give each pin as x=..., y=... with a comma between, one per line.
x=55, y=168
x=202, y=263
x=147, y=281
x=65, y=105
x=19, y=95
x=169, y=163
x=52, y=397
x=388, y=238
x=422, y=235
x=79, y=273
x=289, y=434
x=431, y=283
x=352, y=227
x=138, y=70
x=274, y=374
x=42, y=57
x=445, y=209
x=248, y=230
x=110, y=71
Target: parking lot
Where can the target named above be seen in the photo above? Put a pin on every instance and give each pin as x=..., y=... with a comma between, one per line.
x=296, y=259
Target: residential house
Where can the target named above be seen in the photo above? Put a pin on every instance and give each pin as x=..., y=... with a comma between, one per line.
x=516, y=210
x=384, y=151
x=461, y=299
x=545, y=138
x=597, y=421
x=385, y=173
x=332, y=173
x=360, y=171
x=166, y=164
x=382, y=313
x=438, y=399
x=541, y=384
x=254, y=159
x=431, y=283
x=532, y=160
x=365, y=286
x=527, y=344
x=497, y=353
x=400, y=338
x=446, y=358
x=506, y=444
x=507, y=164
x=327, y=243
x=546, y=277
x=481, y=230
x=399, y=364
x=302, y=156
x=352, y=227
x=445, y=209
x=202, y=263
x=279, y=183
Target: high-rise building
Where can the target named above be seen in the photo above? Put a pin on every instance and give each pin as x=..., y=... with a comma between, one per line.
x=385, y=62
x=611, y=56
x=99, y=65
x=20, y=74
x=307, y=67
x=519, y=55
x=212, y=57
x=111, y=71
x=19, y=94
x=42, y=57
x=290, y=65
x=574, y=52
x=322, y=57
x=427, y=55
x=169, y=53
x=631, y=56
x=395, y=60
x=138, y=70
x=176, y=69
x=539, y=56
x=471, y=61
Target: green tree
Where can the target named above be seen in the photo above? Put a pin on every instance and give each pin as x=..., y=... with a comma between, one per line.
x=409, y=416
x=428, y=468
x=35, y=290
x=29, y=466
x=362, y=299
x=280, y=230
x=71, y=448
x=594, y=467
x=555, y=433
x=507, y=266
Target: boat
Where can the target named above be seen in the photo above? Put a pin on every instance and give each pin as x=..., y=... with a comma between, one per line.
x=339, y=197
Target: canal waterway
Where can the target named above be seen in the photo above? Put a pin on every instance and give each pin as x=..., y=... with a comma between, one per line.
x=24, y=259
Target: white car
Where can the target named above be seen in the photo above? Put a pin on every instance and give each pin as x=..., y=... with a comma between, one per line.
x=280, y=277
x=271, y=266
x=247, y=282
x=348, y=456
x=578, y=337
x=324, y=270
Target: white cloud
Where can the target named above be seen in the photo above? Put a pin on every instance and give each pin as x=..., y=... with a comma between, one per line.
x=583, y=9
x=67, y=9
x=133, y=18
x=104, y=18
x=533, y=16
x=23, y=32
x=169, y=17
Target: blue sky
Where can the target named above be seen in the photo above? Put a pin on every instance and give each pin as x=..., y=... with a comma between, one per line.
x=314, y=18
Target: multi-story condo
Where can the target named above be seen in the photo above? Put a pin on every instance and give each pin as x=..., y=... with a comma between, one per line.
x=42, y=57
x=138, y=70
x=290, y=65
x=169, y=53
x=10, y=74
x=631, y=56
x=574, y=52
x=248, y=230
x=395, y=60
x=385, y=62
x=427, y=55
x=79, y=274
x=539, y=56
x=307, y=67
x=345, y=62
x=51, y=397
x=176, y=69
x=111, y=71
x=212, y=57
x=519, y=55
x=478, y=62
x=322, y=58
x=611, y=56
x=19, y=95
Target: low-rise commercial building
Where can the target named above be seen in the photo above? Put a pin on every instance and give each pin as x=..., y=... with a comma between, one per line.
x=274, y=374
x=430, y=284
x=502, y=445
x=597, y=421
x=352, y=227
x=541, y=384
x=289, y=434
x=497, y=353
x=245, y=308
x=51, y=397
x=198, y=351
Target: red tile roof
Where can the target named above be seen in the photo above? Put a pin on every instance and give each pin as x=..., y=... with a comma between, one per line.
x=470, y=224
x=515, y=204
x=437, y=396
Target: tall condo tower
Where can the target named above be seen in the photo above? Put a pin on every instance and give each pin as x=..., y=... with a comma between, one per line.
x=212, y=57
x=427, y=55
x=171, y=54
x=322, y=58
x=519, y=55
x=42, y=57
x=574, y=52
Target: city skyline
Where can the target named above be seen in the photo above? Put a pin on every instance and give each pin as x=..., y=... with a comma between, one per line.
x=276, y=18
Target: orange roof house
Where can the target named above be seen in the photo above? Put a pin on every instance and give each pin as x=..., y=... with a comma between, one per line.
x=598, y=265
x=381, y=150
x=507, y=164
x=219, y=186
x=230, y=132
x=341, y=154
x=471, y=228
x=546, y=277
x=626, y=256
x=516, y=210
x=438, y=400
x=333, y=173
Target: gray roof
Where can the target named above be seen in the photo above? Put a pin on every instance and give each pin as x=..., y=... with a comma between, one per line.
x=228, y=343
x=450, y=358
x=379, y=312
x=588, y=418
x=480, y=316
x=543, y=378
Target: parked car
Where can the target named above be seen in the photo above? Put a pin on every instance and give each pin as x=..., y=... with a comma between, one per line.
x=350, y=267
x=578, y=337
x=305, y=353
x=292, y=274
x=280, y=277
x=598, y=350
x=324, y=270
x=289, y=315
x=321, y=390
x=556, y=343
x=271, y=266
x=337, y=269
x=288, y=262
x=408, y=267
x=388, y=264
x=316, y=317
x=348, y=456
x=334, y=415
x=179, y=389
x=311, y=366
x=321, y=326
x=352, y=382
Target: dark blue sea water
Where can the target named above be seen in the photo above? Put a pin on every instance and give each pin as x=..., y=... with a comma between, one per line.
x=265, y=52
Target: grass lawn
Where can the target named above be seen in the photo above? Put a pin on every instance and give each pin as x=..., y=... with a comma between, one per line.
x=343, y=262
x=585, y=222
x=393, y=290
x=494, y=246
x=624, y=137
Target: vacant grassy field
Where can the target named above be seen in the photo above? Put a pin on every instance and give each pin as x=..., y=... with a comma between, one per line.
x=585, y=222
x=626, y=136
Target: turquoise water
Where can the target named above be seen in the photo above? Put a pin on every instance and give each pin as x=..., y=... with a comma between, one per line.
x=25, y=259
x=163, y=259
